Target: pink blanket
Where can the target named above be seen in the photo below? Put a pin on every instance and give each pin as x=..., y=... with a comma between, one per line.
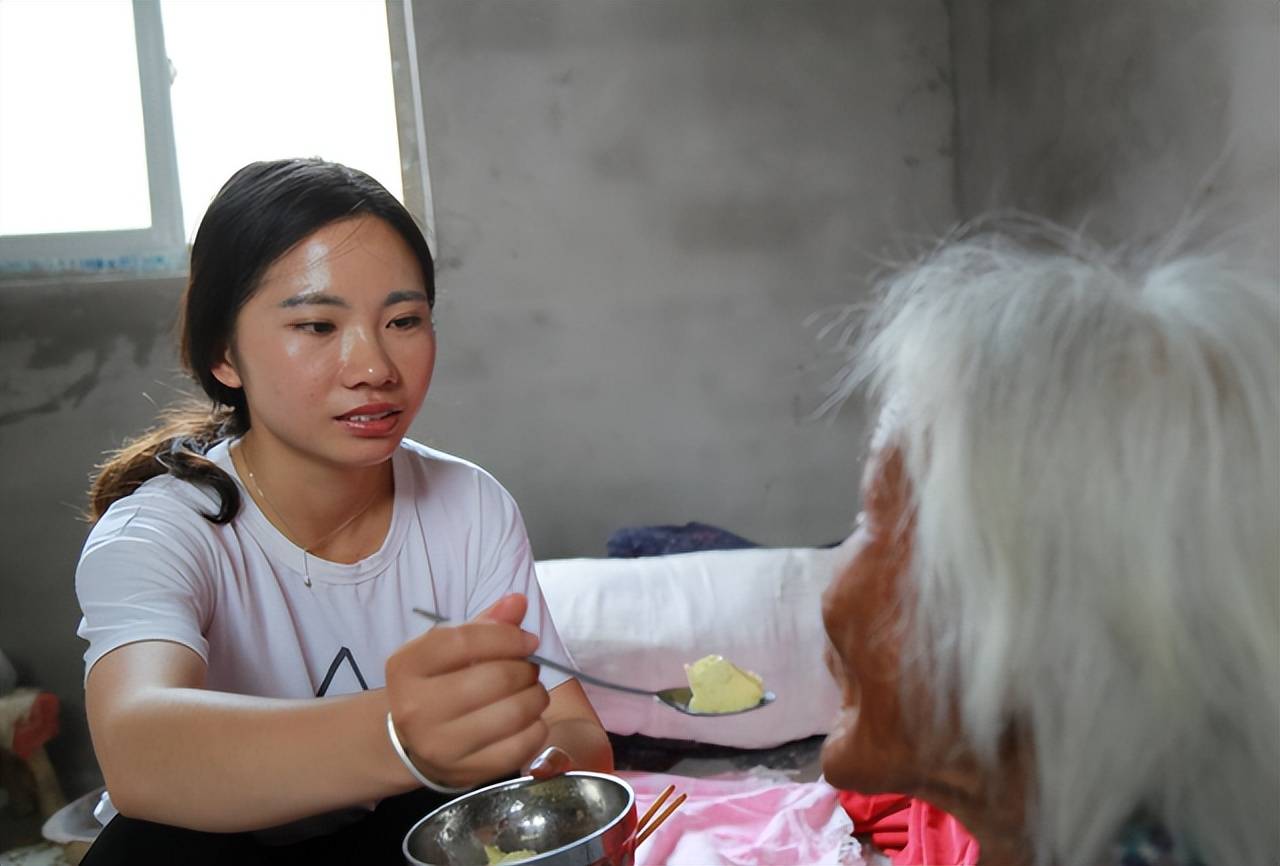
x=745, y=820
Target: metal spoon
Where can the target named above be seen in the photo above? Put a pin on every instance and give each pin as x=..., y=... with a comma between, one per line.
x=677, y=698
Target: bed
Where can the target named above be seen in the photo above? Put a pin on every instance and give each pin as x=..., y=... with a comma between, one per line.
x=753, y=780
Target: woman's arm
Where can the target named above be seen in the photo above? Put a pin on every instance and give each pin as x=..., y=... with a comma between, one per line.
x=575, y=730
x=176, y=753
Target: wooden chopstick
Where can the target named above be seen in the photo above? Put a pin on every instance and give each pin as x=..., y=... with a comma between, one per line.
x=658, y=820
x=662, y=798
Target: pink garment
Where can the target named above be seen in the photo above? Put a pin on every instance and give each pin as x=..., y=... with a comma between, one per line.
x=745, y=820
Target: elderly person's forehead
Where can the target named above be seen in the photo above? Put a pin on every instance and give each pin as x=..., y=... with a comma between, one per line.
x=887, y=422
x=887, y=426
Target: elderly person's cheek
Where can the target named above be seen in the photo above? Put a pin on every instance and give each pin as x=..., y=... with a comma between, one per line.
x=868, y=748
x=839, y=753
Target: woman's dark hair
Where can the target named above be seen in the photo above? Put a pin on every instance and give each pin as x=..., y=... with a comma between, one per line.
x=261, y=213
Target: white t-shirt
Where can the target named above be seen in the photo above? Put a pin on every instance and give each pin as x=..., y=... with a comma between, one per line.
x=154, y=568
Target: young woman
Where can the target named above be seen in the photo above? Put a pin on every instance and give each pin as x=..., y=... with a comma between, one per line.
x=255, y=667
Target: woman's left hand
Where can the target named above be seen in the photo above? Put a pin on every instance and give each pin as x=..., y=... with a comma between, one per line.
x=551, y=761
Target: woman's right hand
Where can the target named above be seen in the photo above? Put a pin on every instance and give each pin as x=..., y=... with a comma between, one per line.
x=465, y=701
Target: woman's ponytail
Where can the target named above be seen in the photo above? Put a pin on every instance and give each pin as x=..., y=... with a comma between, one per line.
x=176, y=446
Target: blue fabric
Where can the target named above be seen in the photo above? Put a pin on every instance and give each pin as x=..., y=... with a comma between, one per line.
x=631, y=542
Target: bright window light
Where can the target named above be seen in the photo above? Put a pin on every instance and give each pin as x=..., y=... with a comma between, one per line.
x=72, y=152
x=278, y=78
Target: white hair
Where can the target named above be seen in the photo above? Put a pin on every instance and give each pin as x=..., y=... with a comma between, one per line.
x=1095, y=461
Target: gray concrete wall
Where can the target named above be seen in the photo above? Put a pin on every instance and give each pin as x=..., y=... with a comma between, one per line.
x=638, y=206
x=1121, y=116
x=81, y=367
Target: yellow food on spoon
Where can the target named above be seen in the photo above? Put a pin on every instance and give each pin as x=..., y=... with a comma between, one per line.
x=722, y=687
x=496, y=855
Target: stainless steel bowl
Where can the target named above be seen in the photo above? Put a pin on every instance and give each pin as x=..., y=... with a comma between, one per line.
x=578, y=819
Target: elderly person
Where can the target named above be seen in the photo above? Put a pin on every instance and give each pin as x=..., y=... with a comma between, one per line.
x=1059, y=618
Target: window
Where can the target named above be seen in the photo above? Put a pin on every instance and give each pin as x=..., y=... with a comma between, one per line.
x=119, y=123
x=86, y=149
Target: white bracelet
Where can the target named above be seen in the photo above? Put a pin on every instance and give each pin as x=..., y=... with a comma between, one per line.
x=411, y=767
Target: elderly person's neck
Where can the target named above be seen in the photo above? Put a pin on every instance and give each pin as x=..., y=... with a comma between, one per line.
x=996, y=819
x=989, y=800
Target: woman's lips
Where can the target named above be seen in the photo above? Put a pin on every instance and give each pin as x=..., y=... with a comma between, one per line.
x=371, y=421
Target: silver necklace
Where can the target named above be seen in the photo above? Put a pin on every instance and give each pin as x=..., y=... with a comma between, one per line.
x=306, y=550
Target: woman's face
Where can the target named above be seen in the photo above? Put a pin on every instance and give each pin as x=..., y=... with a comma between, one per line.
x=336, y=347
x=869, y=748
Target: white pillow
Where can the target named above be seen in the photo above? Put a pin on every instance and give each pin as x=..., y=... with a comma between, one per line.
x=639, y=621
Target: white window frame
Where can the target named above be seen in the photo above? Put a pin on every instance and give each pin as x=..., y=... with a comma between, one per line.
x=410, y=119
x=160, y=250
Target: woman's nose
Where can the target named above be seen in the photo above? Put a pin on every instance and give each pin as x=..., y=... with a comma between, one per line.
x=366, y=363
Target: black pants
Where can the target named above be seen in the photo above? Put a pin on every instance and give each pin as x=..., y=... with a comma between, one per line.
x=373, y=840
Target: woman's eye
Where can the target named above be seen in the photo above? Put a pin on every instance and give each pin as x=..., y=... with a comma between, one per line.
x=315, y=327
x=404, y=323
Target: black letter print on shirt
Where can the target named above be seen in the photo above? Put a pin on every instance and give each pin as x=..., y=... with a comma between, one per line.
x=344, y=654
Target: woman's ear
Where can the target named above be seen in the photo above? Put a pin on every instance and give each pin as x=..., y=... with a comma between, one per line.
x=225, y=371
